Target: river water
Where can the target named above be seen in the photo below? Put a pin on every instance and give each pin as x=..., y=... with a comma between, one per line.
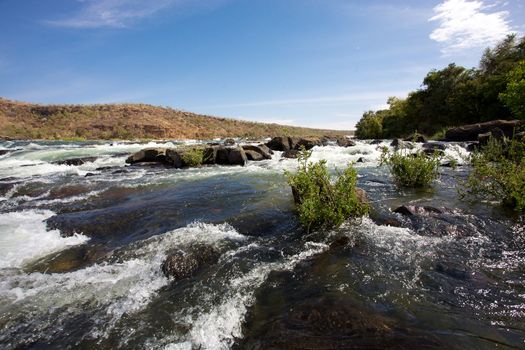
x=81, y=256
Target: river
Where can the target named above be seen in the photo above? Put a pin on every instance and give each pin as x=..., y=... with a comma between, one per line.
x=81, y=256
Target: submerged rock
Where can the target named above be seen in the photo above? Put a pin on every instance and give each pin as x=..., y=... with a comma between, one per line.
x=180, y=264
x=413, y=210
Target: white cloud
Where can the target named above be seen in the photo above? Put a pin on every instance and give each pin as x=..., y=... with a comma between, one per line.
x=466, y=24
x=112, y=13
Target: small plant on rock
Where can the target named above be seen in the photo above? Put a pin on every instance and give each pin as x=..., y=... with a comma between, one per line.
x=411, y=169
x=321, y=202
x=192, y=156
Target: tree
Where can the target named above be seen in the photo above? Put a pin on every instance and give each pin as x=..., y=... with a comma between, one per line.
x=514, y=95
x=370, y=126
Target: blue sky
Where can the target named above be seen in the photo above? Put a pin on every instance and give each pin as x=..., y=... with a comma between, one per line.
x=317, y=63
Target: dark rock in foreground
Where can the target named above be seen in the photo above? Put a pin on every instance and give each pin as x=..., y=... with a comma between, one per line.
x=345, y=142
x=180, y=264
x=471, y=132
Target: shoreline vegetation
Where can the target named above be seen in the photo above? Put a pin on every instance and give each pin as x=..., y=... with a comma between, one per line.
x=456, y=96
x=21, y=120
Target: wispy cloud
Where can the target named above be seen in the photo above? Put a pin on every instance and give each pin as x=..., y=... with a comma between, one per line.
x=112, y=13
x=466, y=24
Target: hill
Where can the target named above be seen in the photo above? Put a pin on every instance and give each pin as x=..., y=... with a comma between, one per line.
x=130, y=121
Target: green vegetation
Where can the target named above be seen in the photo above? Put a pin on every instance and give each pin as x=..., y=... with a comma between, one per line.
x=411, y=169
x=514, y=95
x=192, y=156
x=498, y=174
x=456, y=95
x=321, y=202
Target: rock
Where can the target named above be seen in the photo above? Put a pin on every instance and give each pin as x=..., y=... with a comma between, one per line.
x=471, y=132
x=435, y=145
x=229, y=142
x=376, y=142
x=496, y=134
x=210, y=154
x=279, y=143
x=293, y=153
x=262, y=149
x=148, y=155
x=471, y=147
x=90, y=174
x=413, y=210
x=345, y=142
x=306, y=143
x=180, y=264
x=431, y=152
x=177, y=156
x=4, y=151
x=252, y=155
x=360, y=160
x=75, y=161
x=237, y=156
x=416, y=138
x=396, y=143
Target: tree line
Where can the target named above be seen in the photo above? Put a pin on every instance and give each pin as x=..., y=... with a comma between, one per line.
x=455, y=96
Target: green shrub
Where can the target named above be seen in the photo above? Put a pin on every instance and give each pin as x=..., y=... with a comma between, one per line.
x=321, y=202
x=411, y=170
x=498, y=174
x=192, y=156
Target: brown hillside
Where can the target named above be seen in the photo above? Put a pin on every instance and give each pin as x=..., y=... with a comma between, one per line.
x=129, y=121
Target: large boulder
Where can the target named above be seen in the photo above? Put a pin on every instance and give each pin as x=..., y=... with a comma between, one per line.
x=292, y=153
x=237, y=156
x=306, y=143
x=471, y=132
x=279, y=143
x=148, y=155
x=261, y=149
x=253, y=155
x=496, y=134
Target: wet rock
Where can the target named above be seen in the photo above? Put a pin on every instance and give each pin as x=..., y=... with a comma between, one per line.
x=396, y=143
x=306, y=143
x=376, y=142
x=453, y=270
x=75, y=161
x=262, y=149
x=340, y=242
x=413, y=210
x=360, y=160
x=471, y=147
x=184, y=264
x=148, y=155
x=229, y=142
x=4, y=151
x=252, y=155
x=345, y=142
x=279, y=143
x=292, y=153
x=90, y=174
x=333, y=323
x=176, y=157
x=435, y=145
x=67, y=191
x=470, y=132
x=121, y=171
x=431, y=152
x=237, y=156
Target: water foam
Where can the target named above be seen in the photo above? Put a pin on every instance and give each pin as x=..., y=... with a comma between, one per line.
x=24, y=237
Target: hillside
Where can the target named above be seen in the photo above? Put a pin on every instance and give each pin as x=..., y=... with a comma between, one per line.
x=130, y=121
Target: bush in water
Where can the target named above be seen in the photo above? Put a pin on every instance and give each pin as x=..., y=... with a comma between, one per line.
x=498, y=173
x=321, y=202
x=192, y=156
x=411, y=169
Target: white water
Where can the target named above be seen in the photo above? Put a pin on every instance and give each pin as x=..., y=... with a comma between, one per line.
x=24, y=237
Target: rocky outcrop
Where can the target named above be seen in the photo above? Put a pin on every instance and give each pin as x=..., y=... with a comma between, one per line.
x=292, y=153
x=471, y=132
x=184, y=264
x=147, y=155
x=283, y=144
x=181, y=157
x=496, y=134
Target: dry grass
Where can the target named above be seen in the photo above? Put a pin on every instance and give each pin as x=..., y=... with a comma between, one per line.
x=130, y=121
